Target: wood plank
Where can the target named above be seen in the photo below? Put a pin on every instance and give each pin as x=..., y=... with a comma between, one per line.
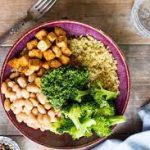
x=113, y=17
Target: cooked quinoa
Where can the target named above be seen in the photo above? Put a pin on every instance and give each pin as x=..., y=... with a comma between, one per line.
x=98, y=59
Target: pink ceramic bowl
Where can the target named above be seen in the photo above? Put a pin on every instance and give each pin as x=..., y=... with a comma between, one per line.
x=48, y=138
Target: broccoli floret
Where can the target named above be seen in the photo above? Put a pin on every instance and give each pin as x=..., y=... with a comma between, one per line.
x=107, y=110
x=65, y=126
x=116, y=120
x=103, y=124
x=85, y=130
x=74, y=113
x=88, y=108
x=77, y=95
x=59, y=84
x=101, y=96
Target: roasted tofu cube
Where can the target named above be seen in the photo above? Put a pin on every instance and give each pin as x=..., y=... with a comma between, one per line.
x=19, y=62
x=61, y=42
x=64, y=60
x=14, y=63
x=24, y=61
x=40, y=72
x=35, y=53
x=41, y=34
x=32, y=44
x=52, y=36
x=34, y=64
x=59, y=31
x=49, y=55
x=57, y=51
x=44, y=45
x=46, y=65
x=66, y=51
x=55, y=64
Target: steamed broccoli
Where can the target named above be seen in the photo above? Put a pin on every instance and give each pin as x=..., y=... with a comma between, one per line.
x=85, y=130
x=59, y=84
x=77, y=94
x=73, y=113
x=103, y=124
x=101, y=96
x=107, y=110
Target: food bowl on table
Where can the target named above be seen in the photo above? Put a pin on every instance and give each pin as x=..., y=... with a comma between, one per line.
x=73, y=29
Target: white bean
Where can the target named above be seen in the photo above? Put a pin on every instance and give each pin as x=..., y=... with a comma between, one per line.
x=28, y=105
x=32, y=77
x=32, y=95
x=11, y=84
x=35, y=111
x=41, y=109
x=31, y=119
x=33, y=88
x=51, y=113
x=27, y=111
x=25, y=94
x=42, y=98
x=40, y=118
x=15, y=88
x=22, y=82
x=46, y=119
x=47, y=106
x=21, y=116
x=11, y=95
x=12, y=107
x=7, y=105
x=17, y=110
x=18, y=93
x=34, y=102
x=19, y=103
x=4, y=88
x=14, y=75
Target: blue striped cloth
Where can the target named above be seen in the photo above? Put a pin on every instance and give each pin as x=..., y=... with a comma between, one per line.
x=139, y=141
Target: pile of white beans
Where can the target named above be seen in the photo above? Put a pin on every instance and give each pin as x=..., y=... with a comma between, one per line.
x=24, y=98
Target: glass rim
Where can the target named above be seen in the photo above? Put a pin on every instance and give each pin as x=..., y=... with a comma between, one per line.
x=136, y=21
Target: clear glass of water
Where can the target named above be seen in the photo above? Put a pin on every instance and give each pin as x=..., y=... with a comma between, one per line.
x=140, y=17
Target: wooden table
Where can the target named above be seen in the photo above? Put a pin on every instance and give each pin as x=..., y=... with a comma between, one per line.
x=113, y=17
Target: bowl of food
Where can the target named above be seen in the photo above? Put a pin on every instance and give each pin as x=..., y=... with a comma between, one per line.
x=65, y=85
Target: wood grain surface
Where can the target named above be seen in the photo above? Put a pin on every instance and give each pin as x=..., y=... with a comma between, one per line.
x=111, y=16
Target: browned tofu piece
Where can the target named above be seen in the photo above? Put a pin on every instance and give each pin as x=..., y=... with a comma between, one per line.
x=52, y=36
x=66, y=51
x=40, y=72
x=44, y=45
x=49, y=55
x=14, y=63
x=61, y=42
x=64, y=60
x=55, y=64
x=35, y=64
x=24, y=61
x=59, y=31
x=46, y=65
x=41, y=34
x=35, y=53
x=32, y=44
x=57, y=51
x=19, y=62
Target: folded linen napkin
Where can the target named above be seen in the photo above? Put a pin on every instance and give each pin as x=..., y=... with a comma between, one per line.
x=139, y=141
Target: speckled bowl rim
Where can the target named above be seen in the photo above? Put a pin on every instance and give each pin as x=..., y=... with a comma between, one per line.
x=98, y=140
